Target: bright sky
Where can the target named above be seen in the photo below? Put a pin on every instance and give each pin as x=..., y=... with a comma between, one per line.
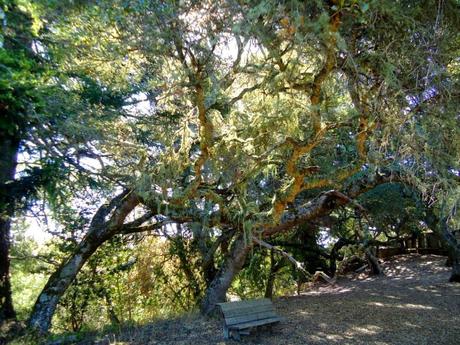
x=37, y=230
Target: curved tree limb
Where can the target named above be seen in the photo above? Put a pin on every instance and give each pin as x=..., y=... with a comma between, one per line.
x=101, y=229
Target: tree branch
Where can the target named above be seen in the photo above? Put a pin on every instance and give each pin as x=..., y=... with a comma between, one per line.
x=296, y=263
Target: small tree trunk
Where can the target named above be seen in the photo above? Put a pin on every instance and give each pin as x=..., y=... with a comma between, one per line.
x=270, y=285
x=6, y=301
x=114, y=320
x=233, y=262
x=454, y=256
x=99, y=232
x=8, y=161
x=271, y=276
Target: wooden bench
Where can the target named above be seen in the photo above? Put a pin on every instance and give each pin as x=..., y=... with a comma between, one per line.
x=240, y=316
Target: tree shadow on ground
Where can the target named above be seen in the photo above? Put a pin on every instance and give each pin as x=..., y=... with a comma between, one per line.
x=412, y=304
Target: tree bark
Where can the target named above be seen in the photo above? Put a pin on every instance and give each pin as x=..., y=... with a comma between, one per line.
x=271, y=277
x=100, y=231
x=207, y=252
x=6, y=302
x=216, y=292
x=8, y=160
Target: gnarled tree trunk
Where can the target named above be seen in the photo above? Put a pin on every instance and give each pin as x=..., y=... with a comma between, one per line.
x=100, y=231
x=216, y=292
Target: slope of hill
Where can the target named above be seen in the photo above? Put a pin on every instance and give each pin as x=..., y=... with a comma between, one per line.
x=411, y=304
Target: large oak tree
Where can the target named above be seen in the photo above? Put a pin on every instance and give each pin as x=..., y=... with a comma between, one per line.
x=247, y=119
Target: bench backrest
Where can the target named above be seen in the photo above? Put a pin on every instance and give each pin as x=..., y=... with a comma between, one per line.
x=246, y=311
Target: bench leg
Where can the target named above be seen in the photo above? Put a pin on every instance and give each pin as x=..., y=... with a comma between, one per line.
x=236, y=335
x=226, y=333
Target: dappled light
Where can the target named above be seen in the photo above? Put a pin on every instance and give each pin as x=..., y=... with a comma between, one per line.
x=384, y=311
x=293, y=165
x=402, y=306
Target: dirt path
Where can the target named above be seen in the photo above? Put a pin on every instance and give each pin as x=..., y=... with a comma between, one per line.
x=412, y=304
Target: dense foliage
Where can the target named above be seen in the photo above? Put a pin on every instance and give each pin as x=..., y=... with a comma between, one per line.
x=172, y=143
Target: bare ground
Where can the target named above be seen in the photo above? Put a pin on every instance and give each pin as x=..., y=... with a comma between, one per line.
x=412, y=304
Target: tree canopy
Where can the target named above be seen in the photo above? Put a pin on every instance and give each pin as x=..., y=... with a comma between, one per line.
x=174, y=142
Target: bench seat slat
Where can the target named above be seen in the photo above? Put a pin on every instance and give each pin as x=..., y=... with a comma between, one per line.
x=250, y=317
x=256, y=323
x=248, y=310
x=243, y=304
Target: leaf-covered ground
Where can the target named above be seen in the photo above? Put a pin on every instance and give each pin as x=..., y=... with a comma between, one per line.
x=412, y=304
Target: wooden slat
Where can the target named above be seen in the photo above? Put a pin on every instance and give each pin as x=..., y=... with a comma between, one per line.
x=257, y=323
x=249, y=317
x=244, y=304
x=243, y=315
x=247, y=310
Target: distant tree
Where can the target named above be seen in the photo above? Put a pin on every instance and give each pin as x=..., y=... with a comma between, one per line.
x=46, y=126
x=20, y=74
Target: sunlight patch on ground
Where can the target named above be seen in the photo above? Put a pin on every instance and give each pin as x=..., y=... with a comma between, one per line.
x=377, y=304
x=429, y=289
x=411, y=325
x=325, y=290
x=392, y=297
x=414, y=306
x=366, y=329
x=320, y=336
x=401, y=306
